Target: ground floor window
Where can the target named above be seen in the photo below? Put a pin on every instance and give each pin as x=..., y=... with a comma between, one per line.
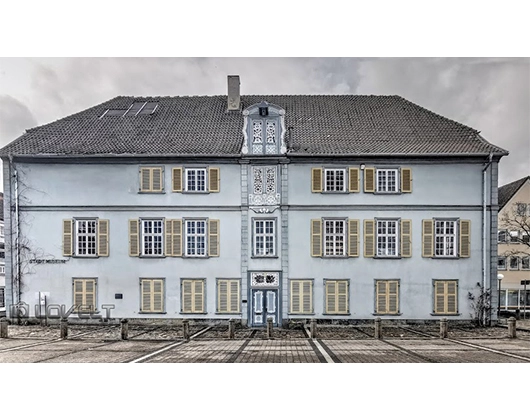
x=445, y=297
x=152, y=291
x=514, y=299
x=301, y=297
x=2, y=297
x=336, y=297
x=85, y=294
x=192, y=296
x=387, y=297
x=228, y=296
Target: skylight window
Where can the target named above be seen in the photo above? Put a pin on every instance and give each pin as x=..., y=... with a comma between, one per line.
x=137, y=108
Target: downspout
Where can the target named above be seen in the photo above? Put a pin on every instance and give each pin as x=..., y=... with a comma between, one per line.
x=16, y=285
x=484, y=236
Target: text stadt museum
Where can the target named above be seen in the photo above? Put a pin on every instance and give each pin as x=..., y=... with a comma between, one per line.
x=335, y=207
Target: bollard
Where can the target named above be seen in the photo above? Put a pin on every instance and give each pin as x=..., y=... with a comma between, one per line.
x=186, y=329
x=124, y=329
x=378, y=329
x=3, y=328
x=231, y=329
x=313, y=327
x=443, y=328
x=269, y=327
x=512, y=328
x=64, y=328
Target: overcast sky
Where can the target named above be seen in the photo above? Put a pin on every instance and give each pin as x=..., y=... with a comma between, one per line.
x=490, y=95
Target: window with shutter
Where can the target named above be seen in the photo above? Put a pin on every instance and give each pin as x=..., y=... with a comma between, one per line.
x=228, y=296
x=193, y=296
x=316, y=238
x=152, y=295
x=353, y=238
x=316, y=180
x=369, y=238
x=151, y=179
x=337, y=297
x=301, y=297
x=387, y=297
x=445, y=297
x=86, y=237
x=84, y=295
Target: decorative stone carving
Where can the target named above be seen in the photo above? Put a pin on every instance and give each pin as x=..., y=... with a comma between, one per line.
x=264, y=279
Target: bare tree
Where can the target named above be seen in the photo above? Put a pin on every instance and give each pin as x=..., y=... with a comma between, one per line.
x=514, y=224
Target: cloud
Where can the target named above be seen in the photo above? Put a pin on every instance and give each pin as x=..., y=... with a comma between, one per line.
x=15, y=117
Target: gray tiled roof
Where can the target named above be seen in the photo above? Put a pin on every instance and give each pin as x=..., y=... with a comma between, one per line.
x=506, y=192
x=200, y=125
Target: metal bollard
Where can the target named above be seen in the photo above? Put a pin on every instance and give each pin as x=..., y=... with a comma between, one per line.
x=64, y=328
x=512, y=328
x=269, y=327
x=186, y=329
x=443, y=328
x=124, y=329
x=313, y=328
x=231, y=329
x=378, y=329
x=3, y=328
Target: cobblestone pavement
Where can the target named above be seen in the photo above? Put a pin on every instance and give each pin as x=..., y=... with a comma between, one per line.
x=334, y=344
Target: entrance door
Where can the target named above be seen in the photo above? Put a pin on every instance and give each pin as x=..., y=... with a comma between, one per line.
x=264, y=305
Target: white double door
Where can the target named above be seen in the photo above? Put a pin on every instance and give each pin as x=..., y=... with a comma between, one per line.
x=264, y=305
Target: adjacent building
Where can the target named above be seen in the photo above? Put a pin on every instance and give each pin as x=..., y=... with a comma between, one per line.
x=514, y=245
x=336, y=207
x=2, y=258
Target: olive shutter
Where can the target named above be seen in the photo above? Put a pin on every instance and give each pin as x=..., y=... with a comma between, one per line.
x=222, y=296
x=445, y=297
x=233, y=298
x=406, y=238
x=316, y=237
x=213, y=238
x=439, y=297
x=393, y=294
x=134, y=237
x=295, y=296
x=406, y=180
x=68, y=236
x=214, y=180
x=78, y=292
x=90, y=295
x=198, y=296
x=337, y=296
x=176, y=237
x=157, y=295
x=307, y=297
x=331, y=298
x=465, y=236
x=369, y=244
x=146, y=296
x=157, y=184
x=353, y=238
x=187, y=296
x=316, y=180
x=369, y=179
x=427, y=238
x=168, y=246
x=177, y=179
x=85, y=294
x=380, y=293
x=354, y=180
x=228, y=296
x=103, y=238
x=342, y=297
x=145, y=179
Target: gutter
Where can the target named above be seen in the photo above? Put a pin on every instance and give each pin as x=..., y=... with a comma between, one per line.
x=484, y=235
x=15, y=284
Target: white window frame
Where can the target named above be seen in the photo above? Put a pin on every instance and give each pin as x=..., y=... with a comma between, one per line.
x=333, y=187
x=521, y=209
x=527, y=259
x=195, y=237
x=386, y=238
x=517, y=260
x=334, y=237
x=500, y=266
x=502, y=236
x=445, y=243
x=260, y=240
x=78, y=223
x=514, y=236
x=194, y=173
x=383, y=186
x=153, y=235
x=2, y=269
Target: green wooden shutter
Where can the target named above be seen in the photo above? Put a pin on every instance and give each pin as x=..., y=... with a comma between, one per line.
x=353, y=238
x=177, y=179
x=369, y=240
x=316, y=180
x=214, y=180
x=134, y=237
x=369, y=179
x=465, y=238
x=316, y=237
x=213, y=238
x=354, y=180
x=68, y=237
x=427, y=238
x=406, y=238
x=103, y=238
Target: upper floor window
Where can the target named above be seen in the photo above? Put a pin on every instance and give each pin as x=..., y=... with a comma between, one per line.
x=152, y=237
x=264, y=136
x=387, y=238
x=87, y=237
x=85, y=243
x=264, y=237
x=263, y=125
x=152, y=179
x=502, y=236
x=201, y=180
x=195, y=238
x=521, y=209
x=446, y=238
x=335, y=180
x=195, y=179
x=387, y=180
x=334, y=237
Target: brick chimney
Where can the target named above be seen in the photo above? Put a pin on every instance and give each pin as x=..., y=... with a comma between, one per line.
x=234, y=97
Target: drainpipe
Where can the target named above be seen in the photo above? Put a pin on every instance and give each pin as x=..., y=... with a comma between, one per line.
x=16, y=285
x=484, y=235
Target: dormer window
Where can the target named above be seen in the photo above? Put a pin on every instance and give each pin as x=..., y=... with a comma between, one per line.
x=263, y=130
